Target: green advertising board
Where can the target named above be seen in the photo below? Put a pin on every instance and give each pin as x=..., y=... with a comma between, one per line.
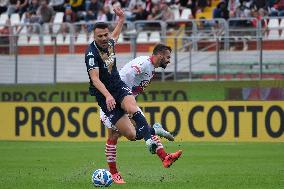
x=157, y=91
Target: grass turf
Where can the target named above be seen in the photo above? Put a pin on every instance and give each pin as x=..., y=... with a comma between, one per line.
x=60, y=165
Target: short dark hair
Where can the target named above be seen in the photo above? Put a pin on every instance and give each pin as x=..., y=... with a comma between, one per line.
x=160, y=48
x=100, y=25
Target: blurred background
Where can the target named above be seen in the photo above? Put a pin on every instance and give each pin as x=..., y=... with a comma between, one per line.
x=222, y=96
x=44, y=41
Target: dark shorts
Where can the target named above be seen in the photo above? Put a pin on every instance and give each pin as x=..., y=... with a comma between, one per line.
x=118, y=94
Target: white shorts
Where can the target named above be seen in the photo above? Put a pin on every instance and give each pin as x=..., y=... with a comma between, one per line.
x=107, y=122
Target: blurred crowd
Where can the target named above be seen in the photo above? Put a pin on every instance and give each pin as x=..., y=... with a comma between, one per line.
x=43, y=11
x=248, y=8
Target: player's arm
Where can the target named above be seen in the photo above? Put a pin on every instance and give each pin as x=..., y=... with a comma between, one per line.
x=117, y=30
x=93, y=69
x=110, y=101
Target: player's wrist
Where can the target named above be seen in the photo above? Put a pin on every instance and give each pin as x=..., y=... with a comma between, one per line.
x=108, y=96
x=121, y=18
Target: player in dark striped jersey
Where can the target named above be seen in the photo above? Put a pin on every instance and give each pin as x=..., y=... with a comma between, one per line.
x=112, y=94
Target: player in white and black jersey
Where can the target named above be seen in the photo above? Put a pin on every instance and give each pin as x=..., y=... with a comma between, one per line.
x=137, y=75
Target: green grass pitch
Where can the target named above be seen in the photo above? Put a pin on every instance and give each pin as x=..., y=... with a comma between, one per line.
x=59, y=165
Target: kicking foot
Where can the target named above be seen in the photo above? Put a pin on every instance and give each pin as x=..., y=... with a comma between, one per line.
x=171, y=158
x=162, y=132
x=152, y=145
x=117, y=178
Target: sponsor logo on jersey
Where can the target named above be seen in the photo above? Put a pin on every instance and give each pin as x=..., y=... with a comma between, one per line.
x=91, y=61
x=108, y=61
x=137, y=69
x=90, y=54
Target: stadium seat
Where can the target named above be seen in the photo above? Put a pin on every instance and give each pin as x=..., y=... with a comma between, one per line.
x=34, y=40
x=67, y=39
x=282, y=23
x=15, y=18
x=273, y=26
x=185, y=14
x=282, y=35
x=59, y=39
x=22, y=31
x=155, y=37
x=176, y=13
x=45, y=28
x=273, y=23
x=120, y=38
x=81, y=39
x=47, y=40
x=58, y=19
x=3, y=20
x=23, y=18
x=273, y=34
x=22, y=40
x=142, y=37
x=282, y=27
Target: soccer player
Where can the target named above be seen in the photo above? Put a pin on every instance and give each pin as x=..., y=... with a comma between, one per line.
x=112, y=94
x=137, y=75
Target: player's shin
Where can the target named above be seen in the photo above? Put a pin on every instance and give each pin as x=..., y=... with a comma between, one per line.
x=110, y=152
x=160, y=149
x=142, y=128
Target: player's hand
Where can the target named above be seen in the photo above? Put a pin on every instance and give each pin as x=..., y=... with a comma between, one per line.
x=110, y=102
x=119, y=12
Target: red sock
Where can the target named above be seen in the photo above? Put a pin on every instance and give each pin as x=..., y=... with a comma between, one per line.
x=160, y=150
x=110, y=151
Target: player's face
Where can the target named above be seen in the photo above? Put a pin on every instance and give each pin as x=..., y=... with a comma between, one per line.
x=101, y=37
x=165, y=59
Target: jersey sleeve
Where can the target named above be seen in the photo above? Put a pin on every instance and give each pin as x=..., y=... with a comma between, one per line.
x=91, y=61
x=132, y=72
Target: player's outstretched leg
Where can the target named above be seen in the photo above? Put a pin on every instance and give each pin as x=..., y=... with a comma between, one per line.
x=142, y=128
x=143, y=131
x=171, y=158
x=167, y=159
x=160, y=149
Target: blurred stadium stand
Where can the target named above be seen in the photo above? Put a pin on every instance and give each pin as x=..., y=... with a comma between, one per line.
x=203, y=47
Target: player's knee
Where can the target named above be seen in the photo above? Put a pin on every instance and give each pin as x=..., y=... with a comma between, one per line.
x=129, y=105
x=131, y=109
x=131, y=135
